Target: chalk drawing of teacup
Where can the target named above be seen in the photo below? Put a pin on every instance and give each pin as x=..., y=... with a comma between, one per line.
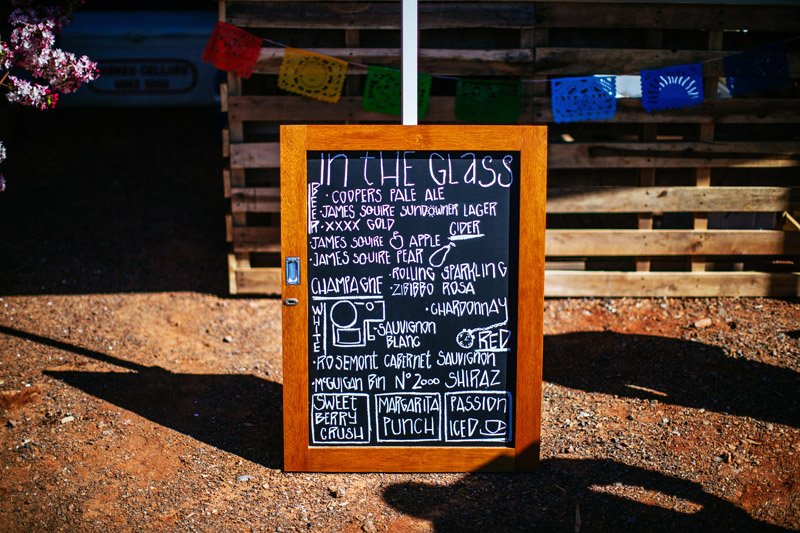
x=493, y=428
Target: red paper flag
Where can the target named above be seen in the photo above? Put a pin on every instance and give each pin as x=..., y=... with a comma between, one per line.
x=232, y=49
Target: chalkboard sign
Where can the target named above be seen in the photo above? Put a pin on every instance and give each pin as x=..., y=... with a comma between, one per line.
x=412, y=296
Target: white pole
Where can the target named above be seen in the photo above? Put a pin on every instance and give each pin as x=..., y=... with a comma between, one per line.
x=409, y=64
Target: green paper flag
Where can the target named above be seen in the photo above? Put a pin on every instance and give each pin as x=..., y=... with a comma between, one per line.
x=489, y=101
x=383, y=87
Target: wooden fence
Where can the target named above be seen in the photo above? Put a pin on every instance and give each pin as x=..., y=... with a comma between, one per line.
x=694, y=202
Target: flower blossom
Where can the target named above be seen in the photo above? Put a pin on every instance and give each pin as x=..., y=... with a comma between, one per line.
x=31, y=11
x=31, y=48
x=63, y=71
x=2, y=158
x=6, y=56
x=31, y=94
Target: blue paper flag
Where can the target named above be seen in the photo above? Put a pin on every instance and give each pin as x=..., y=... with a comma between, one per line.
x=756, y=70
x=674, y=87
x=589, y=98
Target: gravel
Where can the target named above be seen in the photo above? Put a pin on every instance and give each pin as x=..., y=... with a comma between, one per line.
x=647, y=424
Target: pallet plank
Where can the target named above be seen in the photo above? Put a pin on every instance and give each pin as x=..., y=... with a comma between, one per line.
x=659, y=200
x=576, y=14
x=226, y=142
x=379, y=15
x=586, y=61
x=256, y=234
x=518, y=62
x=686, y=284
x=606, y=155
x=258, y=280
x=598, y=242
x=296, y=109
x=256, y=247
x=503, y=62
x=686, y=17
x=255, y=155
x=589, y=61
x=727, y=111
x=256, y=200
x=675, y=155
x=232, y=266
x=287, y=109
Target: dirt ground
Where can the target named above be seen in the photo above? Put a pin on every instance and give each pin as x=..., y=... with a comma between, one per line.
x=136, y=395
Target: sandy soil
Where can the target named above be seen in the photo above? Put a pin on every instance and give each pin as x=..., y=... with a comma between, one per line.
x=135, y=395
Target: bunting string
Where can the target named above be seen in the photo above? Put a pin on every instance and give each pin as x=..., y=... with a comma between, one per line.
x=499, y=100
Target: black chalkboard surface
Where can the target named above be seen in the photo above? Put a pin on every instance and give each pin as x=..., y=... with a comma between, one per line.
x=413, y=292
x=413, y=313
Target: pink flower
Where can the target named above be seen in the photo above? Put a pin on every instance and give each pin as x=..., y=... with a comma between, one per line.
x=27, y=11
x=31, y=47
x=6, y=56
x=31, y=94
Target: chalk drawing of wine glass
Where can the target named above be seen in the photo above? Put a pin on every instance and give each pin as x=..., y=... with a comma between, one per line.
x=466, y=337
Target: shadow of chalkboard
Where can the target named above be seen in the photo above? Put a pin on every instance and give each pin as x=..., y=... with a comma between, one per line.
x=570, y=495
x=673, y=371
x=241, y=414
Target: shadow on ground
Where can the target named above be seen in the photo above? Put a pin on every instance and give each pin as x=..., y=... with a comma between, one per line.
x=590, y=496
x=673, y=371
x=598, y=495
x=113, y=200
x=241, y=414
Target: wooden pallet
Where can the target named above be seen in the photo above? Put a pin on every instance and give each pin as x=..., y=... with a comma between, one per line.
x=637, y=206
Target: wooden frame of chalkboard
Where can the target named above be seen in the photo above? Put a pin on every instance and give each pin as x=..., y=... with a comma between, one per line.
x=526, y=226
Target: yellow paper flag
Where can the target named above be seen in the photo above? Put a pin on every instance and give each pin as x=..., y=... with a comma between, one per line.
x=313, y=75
